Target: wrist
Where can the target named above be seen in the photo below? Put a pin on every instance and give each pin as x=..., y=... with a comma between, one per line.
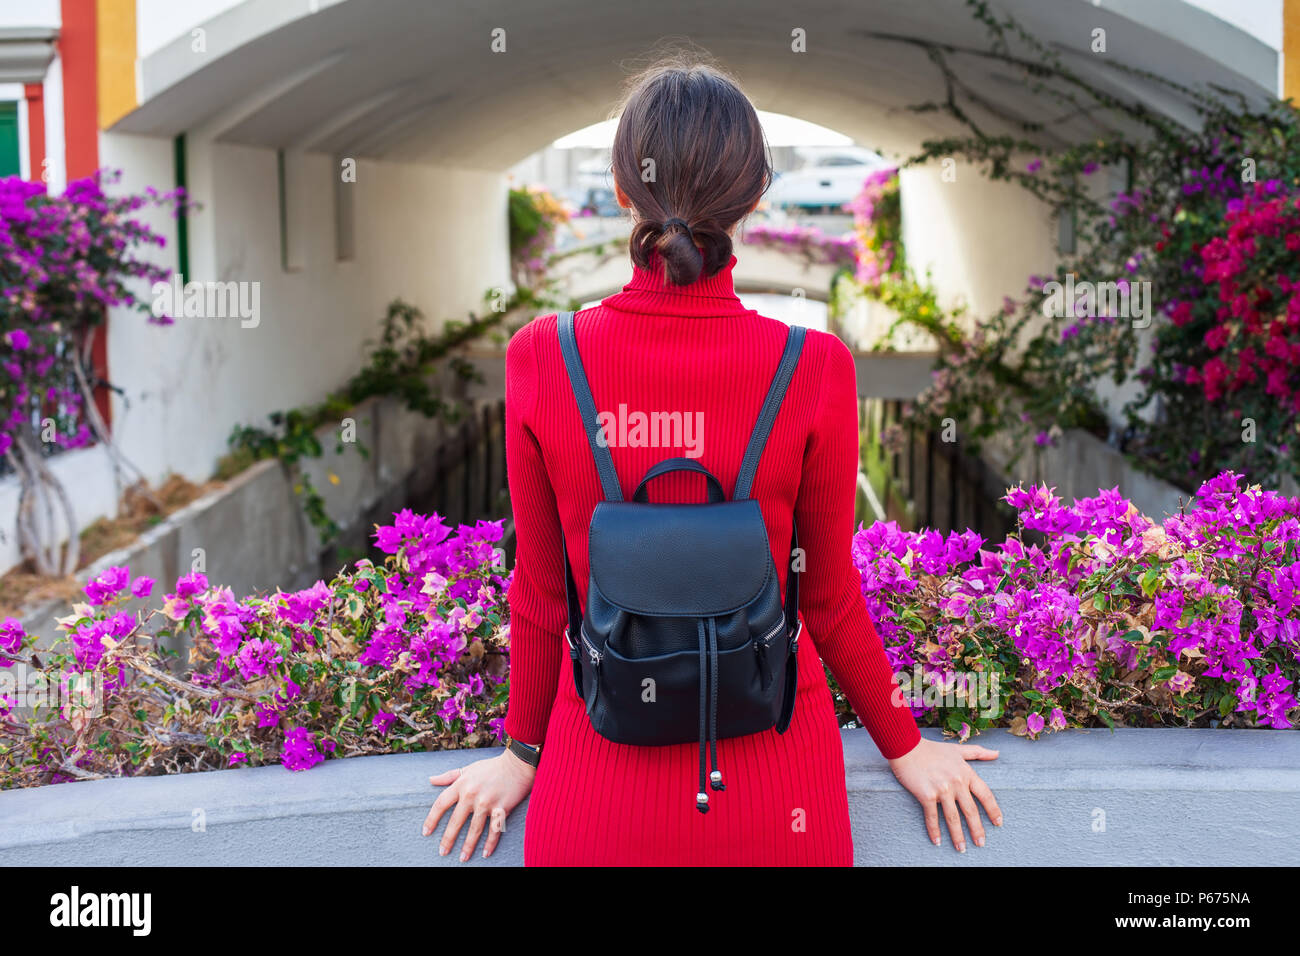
x=910, y=752
x=528, y=754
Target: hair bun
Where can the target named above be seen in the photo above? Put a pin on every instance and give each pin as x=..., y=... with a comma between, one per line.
x=674, y=220
x=677, y=247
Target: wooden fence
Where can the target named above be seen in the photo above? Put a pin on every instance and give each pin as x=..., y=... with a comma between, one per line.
x=928, y=483
x=468, y=480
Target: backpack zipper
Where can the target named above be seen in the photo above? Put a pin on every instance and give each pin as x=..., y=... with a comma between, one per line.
x=761, y=645
x=595, y=655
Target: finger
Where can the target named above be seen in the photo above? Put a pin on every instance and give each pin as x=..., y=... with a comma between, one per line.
x=971, y=811
x=446, y=800
x=976, y=752
x=953, y=818
x=932, y=820
x=496, y=827
x=984, y=794
x=446, y=777
x=457, y=821
x=475, y=831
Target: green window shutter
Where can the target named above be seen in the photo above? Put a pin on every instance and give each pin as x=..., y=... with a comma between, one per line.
x=182, y=220
x=11, y=163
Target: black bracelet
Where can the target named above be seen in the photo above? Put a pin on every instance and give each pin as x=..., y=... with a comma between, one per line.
x=529, y=755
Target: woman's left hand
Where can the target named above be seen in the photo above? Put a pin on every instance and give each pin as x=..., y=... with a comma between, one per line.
x=938, y=774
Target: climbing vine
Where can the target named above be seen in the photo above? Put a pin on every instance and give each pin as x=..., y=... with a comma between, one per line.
x=1188, y=286
x=401, y=366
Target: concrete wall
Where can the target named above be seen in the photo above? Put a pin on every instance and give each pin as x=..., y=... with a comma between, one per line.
x=980, y=240
x=1092, y=797
x=1080, y=464
x=434, y=237
x=158, y=22
x=251, y=534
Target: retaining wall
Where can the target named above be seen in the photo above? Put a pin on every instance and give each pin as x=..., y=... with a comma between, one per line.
x=1131, y=797
x=251, y=534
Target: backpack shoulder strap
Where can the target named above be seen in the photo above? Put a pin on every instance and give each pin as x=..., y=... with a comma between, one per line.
x=587, y=408
x=767, y=416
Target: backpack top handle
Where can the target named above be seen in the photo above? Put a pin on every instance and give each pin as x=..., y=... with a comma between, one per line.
x=716, y=493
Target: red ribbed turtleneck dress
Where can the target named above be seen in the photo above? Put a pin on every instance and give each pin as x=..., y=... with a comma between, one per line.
x=692, y=349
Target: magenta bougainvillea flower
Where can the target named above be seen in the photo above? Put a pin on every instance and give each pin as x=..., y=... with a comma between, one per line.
x=1091, y=613
x=12, y=636
x=300, y=751
x=1109, y=614
x=67, y=259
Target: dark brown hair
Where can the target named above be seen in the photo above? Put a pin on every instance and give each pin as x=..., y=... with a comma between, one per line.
x=688, y=147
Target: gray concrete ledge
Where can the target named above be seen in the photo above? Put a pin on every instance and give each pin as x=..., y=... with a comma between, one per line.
x=1134, y=797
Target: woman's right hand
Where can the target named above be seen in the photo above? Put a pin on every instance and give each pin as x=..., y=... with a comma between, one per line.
x=484, y=792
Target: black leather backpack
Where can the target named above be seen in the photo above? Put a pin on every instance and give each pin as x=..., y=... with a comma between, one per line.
x=685, y=635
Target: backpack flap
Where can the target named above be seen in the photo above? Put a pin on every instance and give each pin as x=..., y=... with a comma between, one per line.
x=679, y=560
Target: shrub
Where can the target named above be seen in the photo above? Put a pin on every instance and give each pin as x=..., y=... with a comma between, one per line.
x=407, y=655
x=810, y=243
x=1110, y=618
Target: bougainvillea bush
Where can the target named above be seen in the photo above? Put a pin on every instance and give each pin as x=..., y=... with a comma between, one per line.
x=808, y=242
x=63, y=261
x=408, y=654
x=1202, y=222
x=1107, y=619
x=535, y=217
x=878, y=227
x=1093, y=614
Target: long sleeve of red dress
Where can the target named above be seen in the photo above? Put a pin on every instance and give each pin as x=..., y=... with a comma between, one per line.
x=694, y=349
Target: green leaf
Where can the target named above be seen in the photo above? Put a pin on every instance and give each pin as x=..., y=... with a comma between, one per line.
x=1150, y=580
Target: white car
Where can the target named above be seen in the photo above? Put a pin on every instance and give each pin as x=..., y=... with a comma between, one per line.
x=826, y=184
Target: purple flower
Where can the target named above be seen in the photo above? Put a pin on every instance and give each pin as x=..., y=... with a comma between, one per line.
x=12, y=636
x=108, y=585
x=300, y=751
x=257, y=657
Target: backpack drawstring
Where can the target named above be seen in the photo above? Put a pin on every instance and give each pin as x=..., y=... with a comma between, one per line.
x=715, y=778
x=702, y=797
x=709, y=698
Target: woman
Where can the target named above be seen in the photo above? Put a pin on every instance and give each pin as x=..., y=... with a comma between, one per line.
x=690, y=162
